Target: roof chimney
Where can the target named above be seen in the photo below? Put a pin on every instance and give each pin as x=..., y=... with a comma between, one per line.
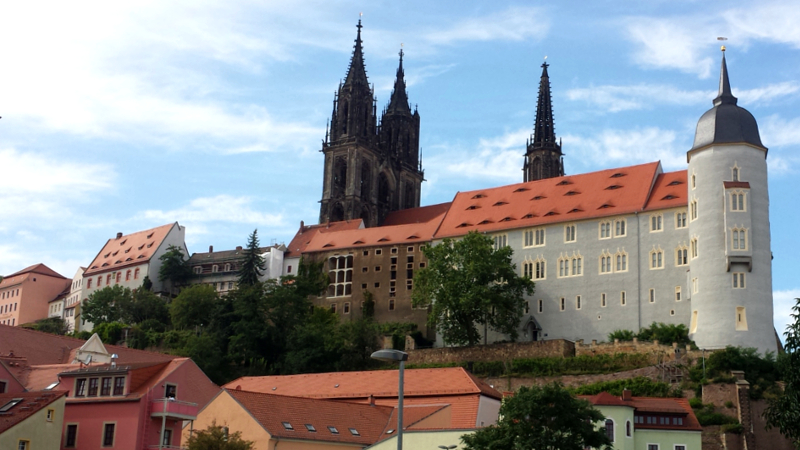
x=210, y=249
x=626, y=395
x=119, y=235
x=239, y=247
x=371, y=400
x=302, y=226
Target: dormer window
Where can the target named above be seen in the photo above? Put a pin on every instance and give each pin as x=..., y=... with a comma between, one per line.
x=564, y=183
x=477, y=196
x=618, y=175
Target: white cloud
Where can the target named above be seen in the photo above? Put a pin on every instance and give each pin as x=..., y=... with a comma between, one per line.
x=221, y=208
x=640, y=96
x=769, y=21
x=767, y=93
x=511, y=24
x=612, y=148
x=676, y=43
x=782, y=302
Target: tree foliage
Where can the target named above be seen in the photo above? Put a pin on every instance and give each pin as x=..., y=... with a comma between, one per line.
x=467, y=283
x=783, y=412
x=252, y=264
x=52, y=325
x=103, y=305
x=657, y=331
x=195, y=306
x=218, y=437
x=542, y=418
x=174, y=268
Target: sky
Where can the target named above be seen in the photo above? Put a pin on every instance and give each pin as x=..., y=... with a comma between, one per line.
x=123, y=116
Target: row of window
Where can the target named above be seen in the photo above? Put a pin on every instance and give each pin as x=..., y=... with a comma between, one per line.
x=334, y=307
x=99, y=386
x=116, y=277
x=12, y=321
x=8, y=307
x=9, y=294
x=214, y=269
x=107, y=438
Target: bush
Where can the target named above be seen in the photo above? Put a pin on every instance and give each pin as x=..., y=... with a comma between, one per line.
x=622, y=335
x=707, y=416
x=696, y=403
x=639, y=387
x=732, y=428
x=583, y=364
x=665, y=333
x=110, y=332
x=761, y=372
x=729, y=404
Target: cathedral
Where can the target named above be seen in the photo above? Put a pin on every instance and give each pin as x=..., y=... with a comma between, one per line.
x=371, y=168
x=616, y=249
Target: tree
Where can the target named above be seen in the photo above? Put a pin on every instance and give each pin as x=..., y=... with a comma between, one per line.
x=52, y=325
x=103, y=305
x=542, y=418
x=174, y=268
x=469, y=283
x=195, y=306
x=783, y=412
x=217, y=437
x=253, y=264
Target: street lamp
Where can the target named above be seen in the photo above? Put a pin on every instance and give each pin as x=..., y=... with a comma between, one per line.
x=392, y=355
x=447, y=447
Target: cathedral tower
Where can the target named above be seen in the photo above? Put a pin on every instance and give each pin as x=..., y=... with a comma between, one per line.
x=543, y=157
x=730, y=259
x=370, y=170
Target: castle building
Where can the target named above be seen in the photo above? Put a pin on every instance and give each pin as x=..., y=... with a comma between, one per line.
x=616, y=249
x=543, y=157
x=370, y=169
x=220, y=269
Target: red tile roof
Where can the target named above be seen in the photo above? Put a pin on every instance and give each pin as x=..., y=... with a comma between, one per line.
x=416, y=215
x=24, y=274
x=669, y=191
x=669, y=406
x=131, y=249
x=32, y=402
x=44, y=348
x=463, y=408
x=562, y=199
x=307, y=232
x=379, y=383
x=272, y=410
x=412, y=414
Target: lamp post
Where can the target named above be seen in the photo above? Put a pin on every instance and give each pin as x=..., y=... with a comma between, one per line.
x=396, y=356
x=447, y=447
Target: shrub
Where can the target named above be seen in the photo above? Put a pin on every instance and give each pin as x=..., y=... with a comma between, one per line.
x=729, y=404
x=732, y=428
x=761, y=372
x=707, y=416
x=622, y=335
x=665, y=333
x=696, y=403
x=639, y=387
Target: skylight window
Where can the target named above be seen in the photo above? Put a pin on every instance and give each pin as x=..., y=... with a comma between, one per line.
x=149, y=236
x=500, y=203
x=473, y=207
x=574, y=210
x=107, y=255
x=522, y=189
x=506, y=219
x=572, y=193
x=51, y=386
x=529, y=216
x=618, y=174
x=551, y=213
x=485, y=222
x=150, y=244
x=288, y=426
x=675, y=183
x=564, y=183
x=478, y=196
x=123, y=242
x=606, y=205
x=311, y=428
x=464, y=224
x=613, y=186
x=669, y=197
x=354, y=432
x=15, y=401
x=538, y=197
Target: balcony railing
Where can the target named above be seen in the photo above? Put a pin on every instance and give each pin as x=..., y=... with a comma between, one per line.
x=167, y=447
x=173, y=409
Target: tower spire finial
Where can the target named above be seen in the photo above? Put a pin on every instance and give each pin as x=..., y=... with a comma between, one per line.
x=399, y=99
x=357, y=73
x=725, y=95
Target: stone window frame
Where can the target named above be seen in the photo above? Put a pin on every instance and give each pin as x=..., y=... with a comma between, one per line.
x=693, y=210
x=695, y=285
x=656, y=259
x=737, y=200
x=603, y=300
x=570, y=233
x=623, y=298
x=681, y=219
x=530, y=237
x=736, y=172
x=570, y=266
x=604, y=229
x=651, y=295
x=738, y=280
x=694, y=248
x=682, y=255
x=620, y=227
x=500, y=241
x=541, y=306
x=678, y=293
x=621, y=261
x=739, y=238
x=741, y=318
x=578, y=304
x=606, y=260
x=656, y=223
x=562, y=306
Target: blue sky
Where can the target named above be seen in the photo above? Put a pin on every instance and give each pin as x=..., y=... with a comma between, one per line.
x=121, y=116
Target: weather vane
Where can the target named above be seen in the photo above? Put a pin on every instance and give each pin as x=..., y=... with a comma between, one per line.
x=721, y=38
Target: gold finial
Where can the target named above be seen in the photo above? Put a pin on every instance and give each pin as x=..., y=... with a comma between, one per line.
x=401, y=45
x=722, y=38
x=722, y=48
x=360, y=14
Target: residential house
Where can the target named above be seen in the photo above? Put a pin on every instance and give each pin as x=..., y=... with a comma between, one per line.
x=221, y=269
x=648, y=423
x=473, y=403
x=31, y=420
x=72, y=305
x=25, y=295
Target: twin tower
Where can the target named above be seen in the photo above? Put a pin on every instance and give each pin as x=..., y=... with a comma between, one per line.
x=373, y=168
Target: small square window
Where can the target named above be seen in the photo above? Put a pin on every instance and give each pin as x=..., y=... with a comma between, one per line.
x=333, y=429
x=366, y=253
x=378, y=251
x=394, y=250
x=364, y=269
x=377, y=268
x=363, y=286
x=287, y=426
x=354, y=432
x=377, y=285
x=50, y=414
x=311, y=428
x=410, y=249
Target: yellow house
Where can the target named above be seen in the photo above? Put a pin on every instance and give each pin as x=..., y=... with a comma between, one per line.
x=31, y=420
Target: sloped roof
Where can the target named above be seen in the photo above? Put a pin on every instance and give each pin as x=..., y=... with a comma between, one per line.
x=416, y=215
x=669, y=191
x=463, y=408
x=378, y=236
x=379, y=383
x=134, y=248
x=678, y=406
x=271, y=411
x=24, y=274
x=222, y=255
x=306, y=233
x=44, y=348
x=562, y=199
x=32, y=402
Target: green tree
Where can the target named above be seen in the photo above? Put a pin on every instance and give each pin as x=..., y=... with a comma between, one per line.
x=253, y=264
x=783, y=412
x=196, y=305
x=542, y=418
x=468, y=283
x=103, y=305
x=316, y=346
x=142, y=305
x=52, y=325
x=217, y=437
x=174, y=268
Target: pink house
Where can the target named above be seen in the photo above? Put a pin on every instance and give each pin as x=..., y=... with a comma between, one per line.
x=24, y=295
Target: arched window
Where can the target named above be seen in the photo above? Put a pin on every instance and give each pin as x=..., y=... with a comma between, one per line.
x=610, y=429
x=628, y=428
x=214, y=268
x=227, y=267
x=136, y=274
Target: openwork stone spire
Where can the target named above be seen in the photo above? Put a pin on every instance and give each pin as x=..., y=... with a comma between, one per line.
x=543, y=153
x=357, y=73
x=399, y=99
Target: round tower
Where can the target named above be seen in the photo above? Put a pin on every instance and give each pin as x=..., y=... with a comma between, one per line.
x=730, y=259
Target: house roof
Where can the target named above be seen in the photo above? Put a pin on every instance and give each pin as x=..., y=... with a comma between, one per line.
x=222, y=256
x=552, y=200
x=30, y=403
x=439, y=382
x=24, y=274
x=271, y=411
x=416, y=215
x=44, y=348
x=666, y=406
x=412, y=232
x=134, y=248
x=669, y=191
x=307, y=232
x=412, y=414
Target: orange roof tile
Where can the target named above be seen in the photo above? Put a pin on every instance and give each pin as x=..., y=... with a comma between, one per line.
x=134, y=248
x=272, y=410
x=378, y=236
x=463, y=408
x=307, y=232
x=37, y=268
x=654, y=405
x=416, y=215
x=30, y=404
x=669, y=191
x=379, y=383
x=562, y=199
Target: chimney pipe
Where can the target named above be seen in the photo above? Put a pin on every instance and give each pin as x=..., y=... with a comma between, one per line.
x=371, y=400
x=119, y=235
x=239, y=247
x=210, y=249
x=626, y=395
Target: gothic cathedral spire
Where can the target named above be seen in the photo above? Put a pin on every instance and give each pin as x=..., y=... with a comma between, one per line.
x=370, y=170
x=543, y=157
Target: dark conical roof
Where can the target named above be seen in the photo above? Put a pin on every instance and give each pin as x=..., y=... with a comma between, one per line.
x=357, y=73
x=399, y=99
x=726, y=122
x=544, y=133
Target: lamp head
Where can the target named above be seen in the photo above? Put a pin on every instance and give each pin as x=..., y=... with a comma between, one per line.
x=390, y=355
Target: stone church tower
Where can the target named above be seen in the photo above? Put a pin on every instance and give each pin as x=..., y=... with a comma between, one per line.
x=370, y=169
x=543, y=157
